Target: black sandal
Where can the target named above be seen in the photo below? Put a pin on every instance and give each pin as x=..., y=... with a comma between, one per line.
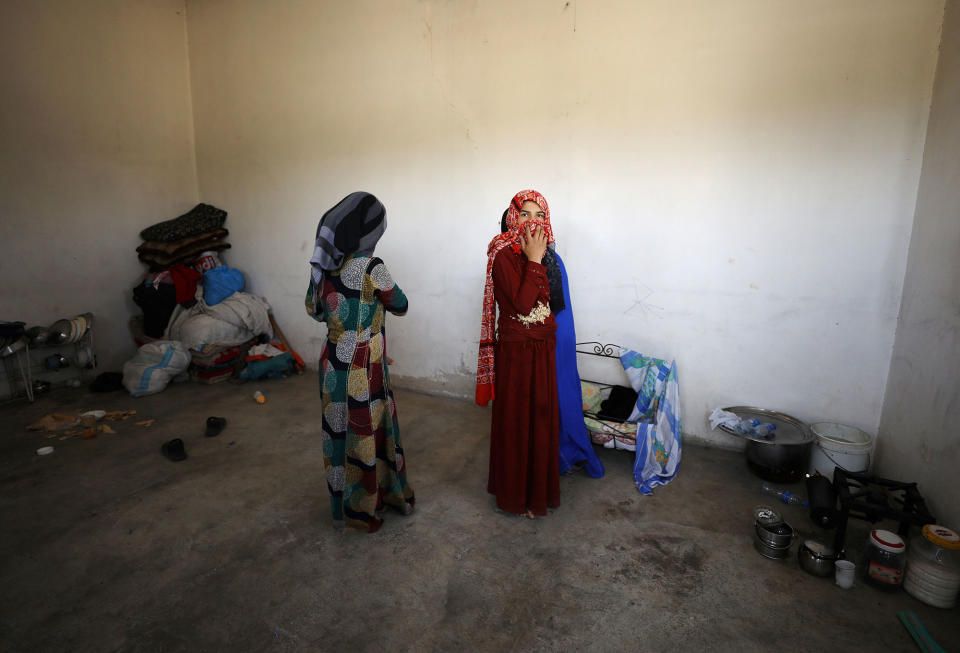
x=174, y=450
x=214, y=426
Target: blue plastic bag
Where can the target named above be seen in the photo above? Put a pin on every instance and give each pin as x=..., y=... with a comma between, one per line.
x=219, y=283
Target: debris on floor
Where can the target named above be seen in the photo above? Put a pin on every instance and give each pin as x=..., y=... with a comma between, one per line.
x=115, y=415
x=147, y=423
x=54, y=422
x=86, y=425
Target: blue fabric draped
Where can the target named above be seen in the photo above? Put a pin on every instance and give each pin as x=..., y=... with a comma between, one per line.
x=575, y=445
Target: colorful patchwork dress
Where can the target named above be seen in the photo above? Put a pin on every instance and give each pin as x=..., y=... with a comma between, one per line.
x=362, y=453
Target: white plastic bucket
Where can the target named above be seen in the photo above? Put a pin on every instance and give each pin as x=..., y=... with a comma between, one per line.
x=839, y=445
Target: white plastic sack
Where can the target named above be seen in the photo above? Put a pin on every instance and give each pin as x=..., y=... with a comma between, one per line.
x=235, y=320
x=153, y=366
x=720, y=416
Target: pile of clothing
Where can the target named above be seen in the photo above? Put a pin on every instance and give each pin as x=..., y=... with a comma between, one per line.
x=158, y=294
x=271, y=360
x=195, y=306
x=606, y=414
x=191, y=301
x=215, y=363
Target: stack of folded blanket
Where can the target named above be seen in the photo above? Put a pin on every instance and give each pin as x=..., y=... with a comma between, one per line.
x=185, y=240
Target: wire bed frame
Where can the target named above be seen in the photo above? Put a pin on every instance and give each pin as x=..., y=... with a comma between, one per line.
x=603, y=350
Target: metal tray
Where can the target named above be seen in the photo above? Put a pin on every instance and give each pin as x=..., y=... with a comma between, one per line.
x=789, y=429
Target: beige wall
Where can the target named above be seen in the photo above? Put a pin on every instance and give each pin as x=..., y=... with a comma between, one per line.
x=920, y=431
x=732, y=183
x=97, y=144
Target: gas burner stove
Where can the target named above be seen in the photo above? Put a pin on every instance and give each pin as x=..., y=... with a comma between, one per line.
x=872, y=498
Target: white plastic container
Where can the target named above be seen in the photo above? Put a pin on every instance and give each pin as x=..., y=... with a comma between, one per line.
x=843, y=573
x=933, y=566
x=839, y=445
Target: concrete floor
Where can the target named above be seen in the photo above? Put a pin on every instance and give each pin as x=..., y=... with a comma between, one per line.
x=108, y=546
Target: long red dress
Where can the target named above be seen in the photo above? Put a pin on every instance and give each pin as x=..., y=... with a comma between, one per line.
x=524, y=432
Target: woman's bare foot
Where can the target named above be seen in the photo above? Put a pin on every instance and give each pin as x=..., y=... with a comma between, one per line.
x=530, y=514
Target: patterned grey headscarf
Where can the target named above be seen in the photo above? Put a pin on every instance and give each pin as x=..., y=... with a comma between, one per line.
x=353, y=226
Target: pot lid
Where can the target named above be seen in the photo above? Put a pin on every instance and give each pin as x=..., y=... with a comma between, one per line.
x=941, y=536
x=887, y=541
x=766, y=516
x=789, y=429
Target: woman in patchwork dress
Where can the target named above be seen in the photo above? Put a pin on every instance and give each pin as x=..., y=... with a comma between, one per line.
x=350, y=291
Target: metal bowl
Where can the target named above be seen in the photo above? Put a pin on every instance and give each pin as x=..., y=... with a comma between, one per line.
x=60, y=332
x=816, y=558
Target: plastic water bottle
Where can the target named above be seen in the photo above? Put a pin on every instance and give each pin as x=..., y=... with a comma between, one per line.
x=756, y=427
x=784, y=495
x=258, y=396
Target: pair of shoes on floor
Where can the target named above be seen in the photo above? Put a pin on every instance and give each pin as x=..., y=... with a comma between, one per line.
x=175, y=451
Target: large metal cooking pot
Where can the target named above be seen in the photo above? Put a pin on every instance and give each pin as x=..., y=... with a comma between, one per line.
x=782, y=456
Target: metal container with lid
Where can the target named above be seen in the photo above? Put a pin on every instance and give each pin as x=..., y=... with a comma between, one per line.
x=780, y=456
x=933, y=567
x=816, y=558
x=886, y=557
x=774, y=536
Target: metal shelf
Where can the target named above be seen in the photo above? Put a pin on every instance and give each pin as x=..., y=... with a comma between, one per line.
x=24, y=366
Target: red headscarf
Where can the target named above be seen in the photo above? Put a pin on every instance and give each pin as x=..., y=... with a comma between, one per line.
x=488, y=318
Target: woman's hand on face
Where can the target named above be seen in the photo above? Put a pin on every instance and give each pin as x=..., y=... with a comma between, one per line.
x=534, y=244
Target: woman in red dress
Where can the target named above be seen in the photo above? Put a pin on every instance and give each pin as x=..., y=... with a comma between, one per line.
x=517, y=365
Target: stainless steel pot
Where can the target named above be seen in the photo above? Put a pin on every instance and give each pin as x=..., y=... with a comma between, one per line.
x=783, y=455
x=816, y=558
x=772, y=552
x=775, y=535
